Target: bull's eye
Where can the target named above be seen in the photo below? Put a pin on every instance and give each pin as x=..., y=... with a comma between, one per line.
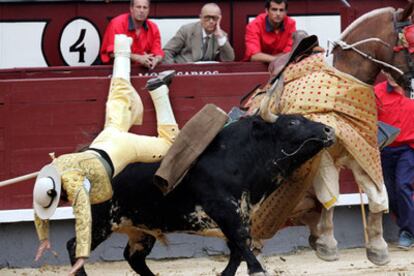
x=294, y=123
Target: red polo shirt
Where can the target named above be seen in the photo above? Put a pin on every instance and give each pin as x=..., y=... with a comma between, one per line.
x=261, y=37
x=397, y=110
x=148, y=41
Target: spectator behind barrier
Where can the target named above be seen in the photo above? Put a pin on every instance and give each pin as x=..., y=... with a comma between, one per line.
x=200, y=41
x=146, y=45
x=270, y=33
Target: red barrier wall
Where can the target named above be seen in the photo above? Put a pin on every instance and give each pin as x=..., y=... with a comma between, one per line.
x=41, y=112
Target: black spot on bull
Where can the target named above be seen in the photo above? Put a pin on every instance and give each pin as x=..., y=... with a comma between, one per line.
x=243, y=164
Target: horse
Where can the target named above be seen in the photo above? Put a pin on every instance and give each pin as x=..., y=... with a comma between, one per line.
x=370, y=44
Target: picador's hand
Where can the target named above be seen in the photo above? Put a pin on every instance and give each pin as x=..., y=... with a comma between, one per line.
x=44, y=245
x=79, y=263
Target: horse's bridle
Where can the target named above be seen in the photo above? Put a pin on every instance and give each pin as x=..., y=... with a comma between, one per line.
x=408, y=77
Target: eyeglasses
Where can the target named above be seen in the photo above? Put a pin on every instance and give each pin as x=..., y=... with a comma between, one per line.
x=210, y=17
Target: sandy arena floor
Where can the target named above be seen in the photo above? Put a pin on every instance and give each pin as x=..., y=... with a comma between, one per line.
x=352, y=262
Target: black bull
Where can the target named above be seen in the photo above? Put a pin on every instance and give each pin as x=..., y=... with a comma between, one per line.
x=243, y=164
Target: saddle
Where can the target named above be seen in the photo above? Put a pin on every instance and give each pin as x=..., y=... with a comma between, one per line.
x=303, y=46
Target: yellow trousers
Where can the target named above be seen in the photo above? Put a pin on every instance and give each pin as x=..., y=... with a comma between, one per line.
x=123, y=109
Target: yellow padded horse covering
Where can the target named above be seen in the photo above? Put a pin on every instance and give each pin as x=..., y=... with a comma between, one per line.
x=324, y=94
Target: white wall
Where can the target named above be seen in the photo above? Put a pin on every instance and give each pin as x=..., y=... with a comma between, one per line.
x=21, y=42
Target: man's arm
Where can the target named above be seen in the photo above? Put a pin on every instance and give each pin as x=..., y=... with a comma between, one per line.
x=225, y=49
x=291, y=29
x=73, y=184
x=107, y=48
x=262, y=57
x=156, y=52
x=42, y=229
x=226, y=52
x=252, y=43
x=174, y=46
x=83, y=227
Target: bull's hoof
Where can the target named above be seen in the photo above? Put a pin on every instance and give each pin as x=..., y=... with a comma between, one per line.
x=259, y=274
x=377, y=256
x=81, y=272
x=312, y=241
x=326, y=253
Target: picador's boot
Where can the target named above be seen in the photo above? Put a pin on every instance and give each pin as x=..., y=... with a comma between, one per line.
x=122, y=53
x=158, y=89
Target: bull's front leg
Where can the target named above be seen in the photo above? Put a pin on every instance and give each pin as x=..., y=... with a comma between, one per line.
x=226, y=213
x=326, y=246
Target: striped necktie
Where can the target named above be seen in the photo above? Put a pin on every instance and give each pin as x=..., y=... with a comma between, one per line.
x=205, y=48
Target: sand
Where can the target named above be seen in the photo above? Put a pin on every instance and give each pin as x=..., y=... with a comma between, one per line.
x=303, y=262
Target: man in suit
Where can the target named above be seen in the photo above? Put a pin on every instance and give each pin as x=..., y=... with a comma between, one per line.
x=200, y=41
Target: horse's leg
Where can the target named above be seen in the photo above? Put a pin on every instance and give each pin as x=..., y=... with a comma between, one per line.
x=101, y=230
x=377, y=248
x=326, y=244
x=308, y=213
x=326, y=179
x=135, y=252
x=312, y=219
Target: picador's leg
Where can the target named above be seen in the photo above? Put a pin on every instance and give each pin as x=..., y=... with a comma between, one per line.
x=136, y=251
x=224, y=213
x=101, y=230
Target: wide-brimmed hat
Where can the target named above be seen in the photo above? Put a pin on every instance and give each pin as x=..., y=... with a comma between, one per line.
x=46, y=192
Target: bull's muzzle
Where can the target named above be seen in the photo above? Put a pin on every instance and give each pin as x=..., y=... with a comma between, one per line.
x=330, y=136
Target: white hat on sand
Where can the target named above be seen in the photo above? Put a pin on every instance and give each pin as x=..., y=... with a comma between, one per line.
x=46, y=192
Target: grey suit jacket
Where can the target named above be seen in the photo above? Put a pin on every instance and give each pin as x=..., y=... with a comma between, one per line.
x=186, y=46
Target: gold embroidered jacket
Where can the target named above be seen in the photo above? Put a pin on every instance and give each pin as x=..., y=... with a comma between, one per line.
x=73, y=169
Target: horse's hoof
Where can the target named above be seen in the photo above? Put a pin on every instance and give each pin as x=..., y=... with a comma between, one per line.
x=378, y=257
x=327, y=254
x=312, y=241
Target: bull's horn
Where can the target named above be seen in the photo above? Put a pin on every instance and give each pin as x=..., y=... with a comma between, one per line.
x=265, y=112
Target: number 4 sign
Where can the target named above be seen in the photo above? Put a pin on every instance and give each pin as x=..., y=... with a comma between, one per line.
x=79, y=43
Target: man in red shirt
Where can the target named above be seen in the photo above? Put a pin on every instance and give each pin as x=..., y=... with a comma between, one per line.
x=398, y=158
x=270, y=33
x=146, y=46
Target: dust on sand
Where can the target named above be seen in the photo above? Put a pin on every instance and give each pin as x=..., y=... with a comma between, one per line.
x=303, y=262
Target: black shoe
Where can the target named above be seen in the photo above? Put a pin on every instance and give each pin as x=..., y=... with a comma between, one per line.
x=164, y=77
